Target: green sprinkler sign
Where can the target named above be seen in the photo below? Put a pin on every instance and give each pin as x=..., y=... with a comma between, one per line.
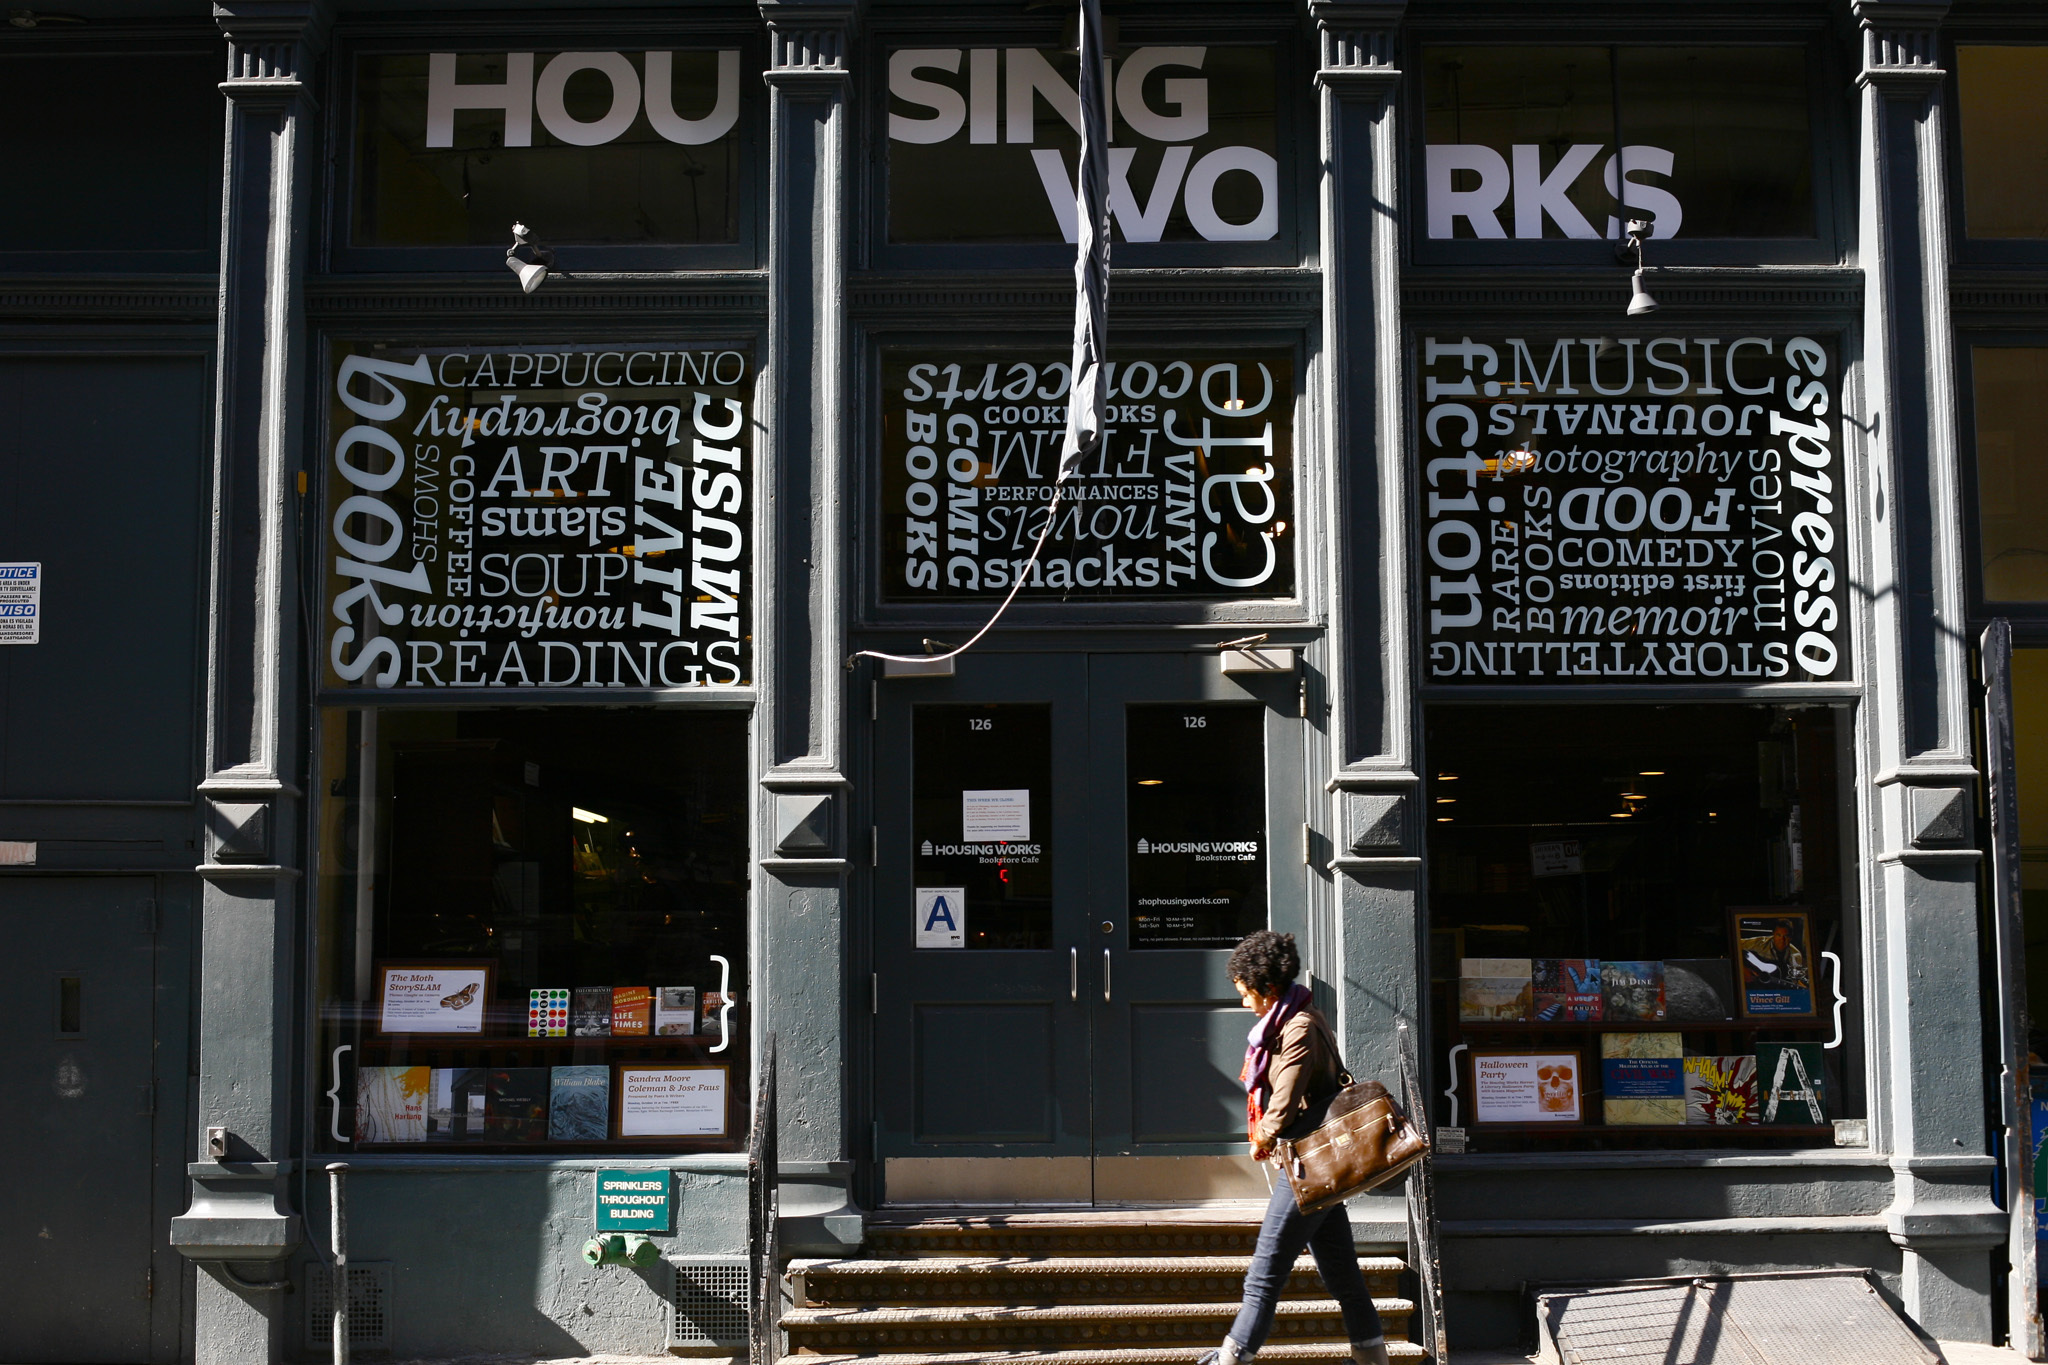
x=632, y=1201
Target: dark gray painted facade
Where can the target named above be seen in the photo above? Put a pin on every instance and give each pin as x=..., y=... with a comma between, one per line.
x=161, y=391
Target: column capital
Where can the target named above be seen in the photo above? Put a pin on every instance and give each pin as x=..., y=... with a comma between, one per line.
x=1358, y=44
x=1901, y=54
x=272, y=45
x=808, y=40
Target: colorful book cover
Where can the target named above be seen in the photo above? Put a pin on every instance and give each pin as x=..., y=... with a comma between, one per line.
x=632, y=1011
x=1791, y=1082
x=714, y=1007
x=516, y=1107
x=675, y=1011
x=580, y=1103
x=1493, y=999
x=1566, y=990
x=1720, y=1091
x=590, y=1013
x=1771, y=947
x=1631, y=992
x=1699, y=990
x=547, y=1013
x=391, y=1103
x=1642, y=1078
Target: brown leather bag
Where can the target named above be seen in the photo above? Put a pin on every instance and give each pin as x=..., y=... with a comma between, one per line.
x=1364, y=1140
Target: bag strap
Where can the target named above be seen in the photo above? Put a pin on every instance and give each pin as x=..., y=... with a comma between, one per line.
x=1344, y=1076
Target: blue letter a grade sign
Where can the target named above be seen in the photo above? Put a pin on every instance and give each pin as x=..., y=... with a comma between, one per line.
x=941, y=917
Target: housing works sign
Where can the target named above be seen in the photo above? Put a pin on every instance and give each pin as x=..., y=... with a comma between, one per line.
x=543, y=517
x=983, y=143
x=1642, y=509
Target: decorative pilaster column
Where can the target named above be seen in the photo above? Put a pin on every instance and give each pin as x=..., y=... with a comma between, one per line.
x=239, y=1225
x=1928, y=1109
x=801, y=833
x=1376, y=828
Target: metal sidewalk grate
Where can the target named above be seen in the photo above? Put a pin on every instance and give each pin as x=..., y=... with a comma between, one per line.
x=1827, y=1319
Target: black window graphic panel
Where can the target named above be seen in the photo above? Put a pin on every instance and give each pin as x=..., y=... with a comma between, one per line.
x=1195, y=779
x=981, y=818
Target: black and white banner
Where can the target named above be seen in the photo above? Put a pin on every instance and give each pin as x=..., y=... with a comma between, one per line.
x=539, y=517
x=1636, y=510
x=1190, y=493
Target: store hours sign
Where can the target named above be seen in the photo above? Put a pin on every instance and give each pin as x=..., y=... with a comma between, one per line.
x=1191, y=494
x=539, y=517
x=1632, y=510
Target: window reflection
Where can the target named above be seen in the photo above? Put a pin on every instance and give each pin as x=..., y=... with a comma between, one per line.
x=981, y=824
x=2012, y=470
x=1196, y=797
x=2004, y=116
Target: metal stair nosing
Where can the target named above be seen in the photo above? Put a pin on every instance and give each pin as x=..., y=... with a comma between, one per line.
x=1295, y=1352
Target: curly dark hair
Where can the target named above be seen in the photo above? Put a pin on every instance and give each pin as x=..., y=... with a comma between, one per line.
x=1267, y=962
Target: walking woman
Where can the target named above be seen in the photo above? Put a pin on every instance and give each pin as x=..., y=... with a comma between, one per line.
x=1290, y=1074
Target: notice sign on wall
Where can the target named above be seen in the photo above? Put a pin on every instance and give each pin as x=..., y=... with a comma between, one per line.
x=672, y=1101
x=1191, y=494
x=21, y=603
x=527, y=518
x=633, y=1201
x=1638, y=510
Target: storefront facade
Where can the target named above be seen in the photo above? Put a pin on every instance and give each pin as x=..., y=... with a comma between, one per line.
x=1590, y=688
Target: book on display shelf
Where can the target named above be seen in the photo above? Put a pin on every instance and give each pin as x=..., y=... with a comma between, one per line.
x=516, y=1104
x=632, y=1011
x=1699, y=990
x=1720, y=1091
x=675, y=1011
x=590, y=1015
x=1566, y=990
x=547, y=1012
x=711, y=1019
x=391, y=1103
x=1493, y=989
x=1791, y=1081
x=1642, y=1078
x=1631, y=992
x=579, y=1103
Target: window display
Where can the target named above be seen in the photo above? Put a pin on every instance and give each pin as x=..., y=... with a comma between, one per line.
x=1647, y=902
x=533, y=929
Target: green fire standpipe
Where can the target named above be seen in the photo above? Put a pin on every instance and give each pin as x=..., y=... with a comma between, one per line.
x=337, y=1173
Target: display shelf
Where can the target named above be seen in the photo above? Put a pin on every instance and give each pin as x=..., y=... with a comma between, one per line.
x=426, y=1041
x=1702, y=1130
x=1645, y=1026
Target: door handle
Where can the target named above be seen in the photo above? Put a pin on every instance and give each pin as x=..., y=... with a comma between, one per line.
x=1073, y=973
x=1105, y=975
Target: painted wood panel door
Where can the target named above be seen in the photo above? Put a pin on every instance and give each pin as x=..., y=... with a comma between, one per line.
x=1067, y=848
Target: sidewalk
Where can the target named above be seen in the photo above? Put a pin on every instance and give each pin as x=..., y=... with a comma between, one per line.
x=1956, y=1352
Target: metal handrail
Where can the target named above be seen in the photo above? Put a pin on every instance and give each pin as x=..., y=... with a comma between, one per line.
x=765, y=1321
x=1423, y=1252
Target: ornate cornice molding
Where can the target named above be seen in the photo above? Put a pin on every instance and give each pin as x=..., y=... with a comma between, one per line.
x=272, y=45
x=742, y=298
x=172, y=298
x=1606, y=293
x=1283, y=296
x=1901, y=45
x=1359, y=45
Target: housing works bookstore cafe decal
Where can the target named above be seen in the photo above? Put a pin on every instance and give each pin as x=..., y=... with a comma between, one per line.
x=1190, y=495
x=525, y=518
x=983, y=143
x=1637, y=509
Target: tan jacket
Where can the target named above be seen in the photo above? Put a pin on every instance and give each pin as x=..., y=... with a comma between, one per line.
x=1303, y=1072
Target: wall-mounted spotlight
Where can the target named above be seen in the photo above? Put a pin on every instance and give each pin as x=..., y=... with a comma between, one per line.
x=1640, y=301
x=529, y=262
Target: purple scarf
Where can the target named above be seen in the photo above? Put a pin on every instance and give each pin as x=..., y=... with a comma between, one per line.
x=1264, y=1037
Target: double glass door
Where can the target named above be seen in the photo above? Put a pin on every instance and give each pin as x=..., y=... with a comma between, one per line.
x=1068, y=847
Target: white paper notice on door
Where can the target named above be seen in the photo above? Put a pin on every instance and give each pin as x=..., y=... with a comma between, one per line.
x=991, y=815
x=672, y=1101
x=21, y=603
x=941, y=917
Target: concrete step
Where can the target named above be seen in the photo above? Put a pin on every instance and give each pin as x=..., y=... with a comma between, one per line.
x=1083, y=1233
x=817, y=1331
x=1293, y=1352
x=1054, y=1279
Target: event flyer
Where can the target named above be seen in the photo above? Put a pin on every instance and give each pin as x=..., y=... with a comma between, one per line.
x=433, y=999
x=672, y=1101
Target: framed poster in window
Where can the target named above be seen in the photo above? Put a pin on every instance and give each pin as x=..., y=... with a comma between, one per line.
x=1774, y=957
x=672, y=1101
x=433, y=997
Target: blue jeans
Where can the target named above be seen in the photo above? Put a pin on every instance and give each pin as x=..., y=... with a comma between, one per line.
x=1281, y=1237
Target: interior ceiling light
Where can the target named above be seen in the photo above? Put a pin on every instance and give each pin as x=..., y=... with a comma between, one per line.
x=1651, y=772
x=1640, y=303
x=1520, y=460
x=1447, y=777
x=1622, y=815
x=589, y=817
x=1151, y=781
